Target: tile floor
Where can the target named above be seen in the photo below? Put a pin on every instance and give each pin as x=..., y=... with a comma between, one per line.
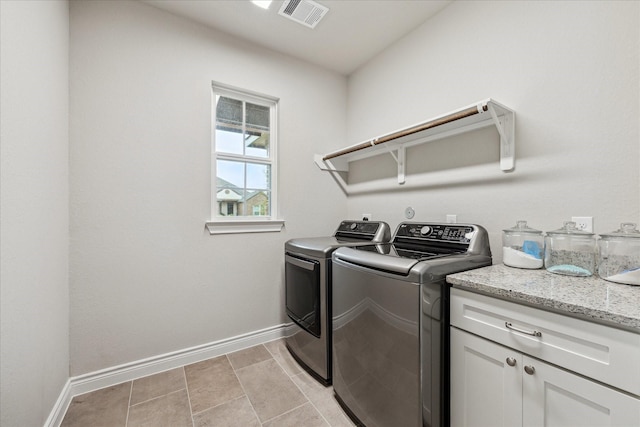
x=258, y=386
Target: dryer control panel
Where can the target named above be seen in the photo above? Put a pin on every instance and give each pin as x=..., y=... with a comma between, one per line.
x=375, y=231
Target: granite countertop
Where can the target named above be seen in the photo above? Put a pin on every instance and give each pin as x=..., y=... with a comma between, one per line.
x=589, y=298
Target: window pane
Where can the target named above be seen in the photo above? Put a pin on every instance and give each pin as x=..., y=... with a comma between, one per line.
x=229, y=125
x=258, y=203
x=229, y=187
x=258, y=176
x=230, y=174
x=257, y=131
x=234, y=198
x=228, y=142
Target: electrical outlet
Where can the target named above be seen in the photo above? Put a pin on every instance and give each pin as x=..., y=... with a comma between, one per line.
x=366, y=217
x=452, y=218
x=584, y=223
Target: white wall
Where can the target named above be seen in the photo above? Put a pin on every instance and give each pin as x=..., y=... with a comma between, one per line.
x=146, y=278
x=34, y=301
x=571, y=72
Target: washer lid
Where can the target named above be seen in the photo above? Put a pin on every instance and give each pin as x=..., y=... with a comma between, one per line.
x=421, y=243
x=321, y=247
x=376, y=257
x=393, y=258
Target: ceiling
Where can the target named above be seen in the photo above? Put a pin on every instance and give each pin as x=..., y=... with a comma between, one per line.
x=349, y=35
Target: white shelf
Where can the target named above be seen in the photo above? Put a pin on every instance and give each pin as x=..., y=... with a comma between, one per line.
x=481, y=114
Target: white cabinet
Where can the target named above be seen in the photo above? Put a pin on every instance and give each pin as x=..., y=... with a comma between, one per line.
x=497, y=382
x=496, y=386
x=485, y=390
x=556, y=397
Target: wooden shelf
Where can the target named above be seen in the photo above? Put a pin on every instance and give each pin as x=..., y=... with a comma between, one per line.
x=481, y=114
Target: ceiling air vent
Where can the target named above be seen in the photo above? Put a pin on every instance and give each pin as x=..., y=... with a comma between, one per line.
x=305, y=12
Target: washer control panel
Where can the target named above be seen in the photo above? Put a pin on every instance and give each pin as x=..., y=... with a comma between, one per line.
x=440, y=232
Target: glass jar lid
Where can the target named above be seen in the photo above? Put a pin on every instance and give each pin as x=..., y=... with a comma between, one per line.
x=569, y=228
x=522, y=227
x=627, y=230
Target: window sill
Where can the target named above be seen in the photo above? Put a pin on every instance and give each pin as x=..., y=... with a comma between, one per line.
x=244, y=226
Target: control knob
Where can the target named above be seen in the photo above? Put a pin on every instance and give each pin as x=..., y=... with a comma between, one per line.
x=425, y=230
x=353, y=226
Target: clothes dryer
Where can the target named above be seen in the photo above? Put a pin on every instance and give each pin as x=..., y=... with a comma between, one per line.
x=308, y=290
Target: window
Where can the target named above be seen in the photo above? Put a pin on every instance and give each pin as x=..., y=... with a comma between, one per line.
x=244, y=161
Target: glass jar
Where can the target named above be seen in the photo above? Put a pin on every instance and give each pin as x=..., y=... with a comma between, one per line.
x=522, y=246
x=620, y=255
x=570, y=251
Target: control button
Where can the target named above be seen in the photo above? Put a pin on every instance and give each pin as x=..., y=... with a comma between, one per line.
x=425, y=230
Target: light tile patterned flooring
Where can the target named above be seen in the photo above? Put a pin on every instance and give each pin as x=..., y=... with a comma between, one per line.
x=258, y=386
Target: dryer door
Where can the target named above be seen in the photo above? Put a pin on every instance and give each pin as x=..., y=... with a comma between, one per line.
x=302, y=289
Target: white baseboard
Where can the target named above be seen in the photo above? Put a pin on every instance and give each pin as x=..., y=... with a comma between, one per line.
x=156, y=364
x=60, y=408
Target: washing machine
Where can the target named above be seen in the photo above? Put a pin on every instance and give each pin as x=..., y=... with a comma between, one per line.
x=308, y=290
x=391, y=322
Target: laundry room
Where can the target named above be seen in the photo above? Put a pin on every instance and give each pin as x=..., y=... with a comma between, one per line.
x=121, y=260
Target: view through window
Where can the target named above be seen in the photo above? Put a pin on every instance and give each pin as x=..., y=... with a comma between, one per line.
x=244, y=153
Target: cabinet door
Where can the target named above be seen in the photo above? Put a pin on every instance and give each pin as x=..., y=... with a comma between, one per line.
x=558, y=398
x=486, y=383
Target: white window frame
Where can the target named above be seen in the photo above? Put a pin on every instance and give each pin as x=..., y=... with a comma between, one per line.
x=245, y=224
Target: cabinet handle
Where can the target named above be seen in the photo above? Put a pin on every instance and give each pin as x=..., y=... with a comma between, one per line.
x=530, y=370
x=511, y=361
x=508, y=325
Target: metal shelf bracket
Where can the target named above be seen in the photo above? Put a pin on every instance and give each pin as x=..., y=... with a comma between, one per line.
x=332, y=165
x=400, y=160
x=506, y=129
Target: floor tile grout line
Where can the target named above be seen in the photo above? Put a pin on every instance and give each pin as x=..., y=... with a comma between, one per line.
x=219, y=404
x=291, y=379
x=298, y=374
x=186, y=386
x=291, y=376
x=258, y=363
x=274, y=358
x=279, y=364
x=286, y=412
x=254, y=363
x=156, y=397
x=126, y=421
x=309, y=399
x=299, y=388
x=270, y=352
x=245, y=391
